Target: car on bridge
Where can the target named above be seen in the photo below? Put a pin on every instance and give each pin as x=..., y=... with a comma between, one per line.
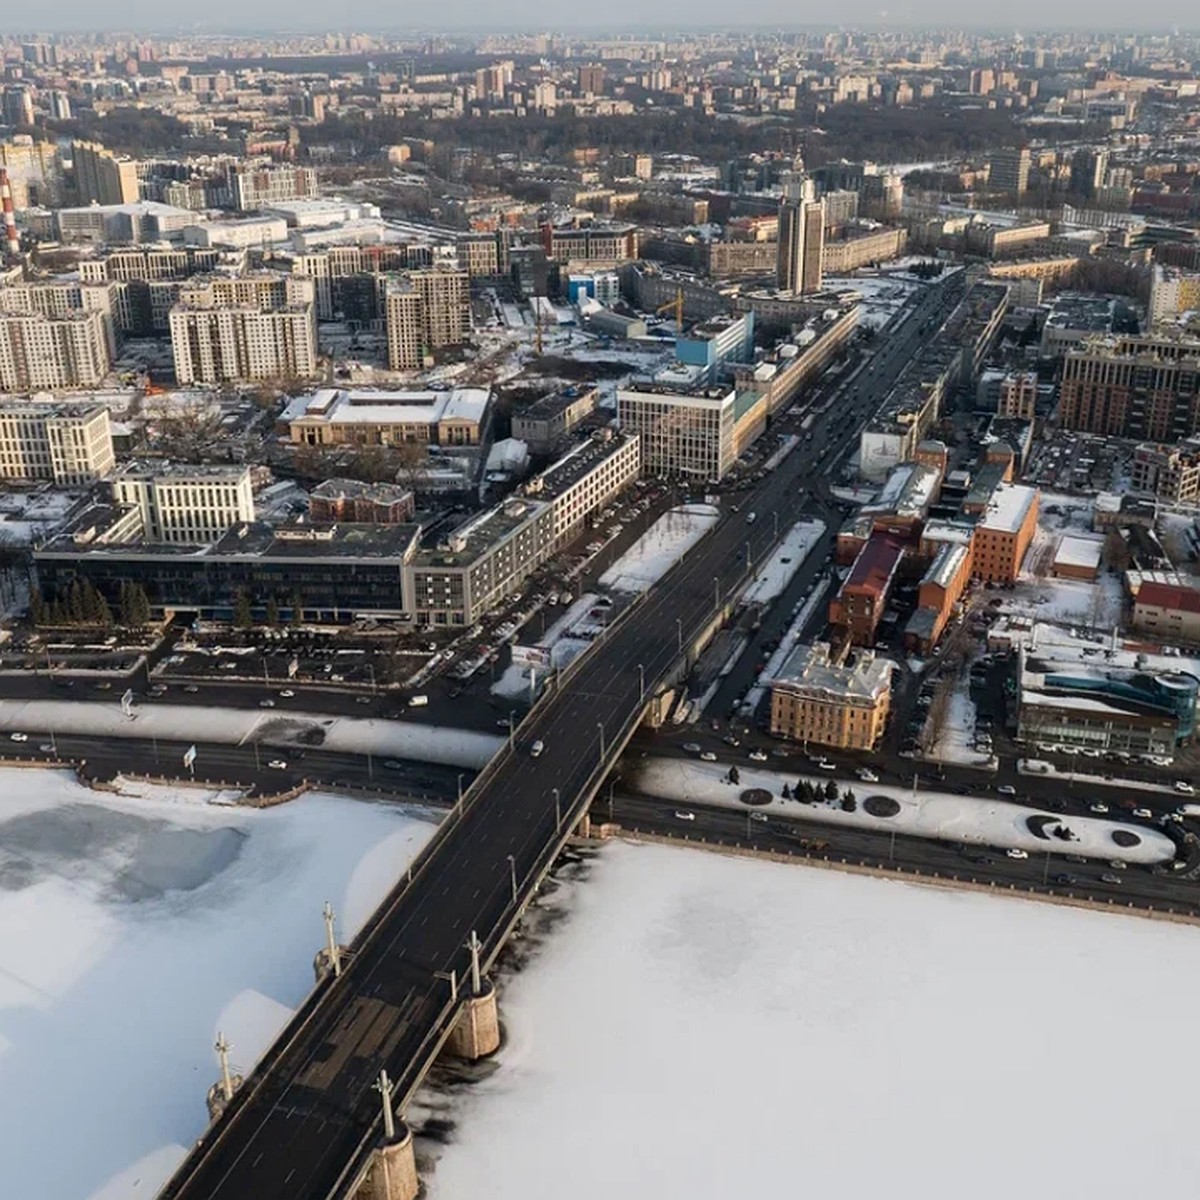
x=681, y=815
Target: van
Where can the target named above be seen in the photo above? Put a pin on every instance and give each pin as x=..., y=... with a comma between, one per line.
x=417, y=701
x=536, y=749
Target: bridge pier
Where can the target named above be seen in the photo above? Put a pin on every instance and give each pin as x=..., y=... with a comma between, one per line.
x=393, y=1171
x=476, y=1032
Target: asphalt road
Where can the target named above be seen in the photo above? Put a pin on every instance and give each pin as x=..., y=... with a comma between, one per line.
x=312, y=1108
x=1140, y=886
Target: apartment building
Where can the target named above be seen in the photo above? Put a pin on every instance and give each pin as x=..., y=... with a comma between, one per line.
x=1172, y=292
x=216, y=345
x=252, y=187
x=820, y=699
x=681, y=433
x=1008, y=171
x=1004, y=532
x=339, y=416
x=181, y=503
x=1018, y=395
x=62, y=297
x=1168, y=473
x=340, y=272
x=149, y=263
x=102, y=177
x=860, y=246
x=599, y=245
x=425, y=310
x=42, y=353
x=70, y=444
x=1145, y=387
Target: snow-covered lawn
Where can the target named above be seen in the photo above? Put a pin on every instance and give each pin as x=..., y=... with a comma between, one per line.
x=772, y=578
x=238, y=726
x=712, y=1027
x=132, y=930
x=659, y=548
x=954, y=744
x=928, y=814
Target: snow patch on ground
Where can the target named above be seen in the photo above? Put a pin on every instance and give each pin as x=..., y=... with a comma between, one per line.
x=773, y=577
x=956, y=737
x=131, y=929
x=566, y=639
x=660, y=548
x=927, y=814
x=731, y=1025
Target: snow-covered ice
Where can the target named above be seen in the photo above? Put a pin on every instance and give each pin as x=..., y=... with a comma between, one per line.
x=132, y=929
x=659, y=548
x=713, y=1027
x=929, y=814
x=772, y=578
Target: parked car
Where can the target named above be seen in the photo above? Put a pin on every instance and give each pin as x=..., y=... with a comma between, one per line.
x=684, y=816
x=1184, y=788
x=708, y=756
x=758, y=756
x=1016, y=852
x=867, y=775
x=277, y=764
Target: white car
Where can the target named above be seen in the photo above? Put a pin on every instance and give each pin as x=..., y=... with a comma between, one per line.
x=19, y=737
x=1017, y=853
x=287, y=693
x=824, y=764
x=757, y=816
x=708, y=756
x=757, y=756
x=1117, y=865
x=867, y=775
x=1144, y=813
x=266, y=704
x=1184, y=788
x=277, y=764
x=684, y=816
x=1098, y=807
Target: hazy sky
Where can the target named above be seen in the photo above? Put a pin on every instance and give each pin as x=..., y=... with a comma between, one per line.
x=616, y=15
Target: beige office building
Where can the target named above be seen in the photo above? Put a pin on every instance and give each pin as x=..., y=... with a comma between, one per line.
x=426, y=310
x=70, y=444
x=182, y=503
x=101, y=177
x=230, y=344
x=681, y=433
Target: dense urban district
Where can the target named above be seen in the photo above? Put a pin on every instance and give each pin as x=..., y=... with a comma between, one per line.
x=786, y=443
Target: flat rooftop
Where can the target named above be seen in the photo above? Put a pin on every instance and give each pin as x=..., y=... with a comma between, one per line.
x=401, y=407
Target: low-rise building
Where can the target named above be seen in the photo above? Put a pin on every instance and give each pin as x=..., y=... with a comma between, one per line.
x=351, y=500
x=859, y=605
x=1004, y=532
x=819, y=699
x=1170, y=473
x=1169, y=612
x=547, y=421
x=338, y=416
x=1078, y=557
x=940, y=590
x=70, y=444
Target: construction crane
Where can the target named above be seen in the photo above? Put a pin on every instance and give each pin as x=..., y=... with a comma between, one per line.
x=677, y=305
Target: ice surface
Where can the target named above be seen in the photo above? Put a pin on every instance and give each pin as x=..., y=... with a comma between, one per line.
x=709, y=1027
x=131, y=929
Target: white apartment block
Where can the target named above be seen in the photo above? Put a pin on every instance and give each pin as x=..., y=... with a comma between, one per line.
x=264, y=290
x=40, y=353
x=61, y=297
x=406, y=341
x=229, y=344
x=426, y=310
x=147, y=264
x=681, y=433
x=70, y=444
x=186, y=504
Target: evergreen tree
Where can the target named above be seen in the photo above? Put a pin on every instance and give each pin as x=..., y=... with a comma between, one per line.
x=786, y=793
x=243, y=618
x=104, y=617
x=37, y=606
x=125, y=604
x=734, y=777
x=272, y=612
x=141, y=605
x=831, y=790
x=297, y=609
x=75, y=603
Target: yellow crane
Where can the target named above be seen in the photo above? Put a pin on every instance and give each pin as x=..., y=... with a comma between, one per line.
x=677, y=306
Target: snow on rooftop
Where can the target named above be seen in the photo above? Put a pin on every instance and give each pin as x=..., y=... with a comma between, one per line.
x=1076, y=551
x=1008, y=508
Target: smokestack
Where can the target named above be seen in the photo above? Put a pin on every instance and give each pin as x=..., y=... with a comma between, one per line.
x=11, y=242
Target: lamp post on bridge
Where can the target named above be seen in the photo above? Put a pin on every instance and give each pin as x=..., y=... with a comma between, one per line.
x=679, y=633
x=512, y=870
x=641, y=670
x=600, y=726
x=557, y=809
x=460, y=796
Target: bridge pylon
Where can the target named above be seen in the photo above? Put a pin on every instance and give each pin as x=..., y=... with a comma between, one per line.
x=476, y=1033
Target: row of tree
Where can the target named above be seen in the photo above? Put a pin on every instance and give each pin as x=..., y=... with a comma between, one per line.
x=243, y=611
x=81, y=604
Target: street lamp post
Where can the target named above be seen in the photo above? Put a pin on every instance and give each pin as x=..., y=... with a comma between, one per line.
x=557, y=808
x=512, y=712
x=679, y=633
x=460, y=796
x=600, y=726
x=717, y=592
x=512, y=871
x=641, y=682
